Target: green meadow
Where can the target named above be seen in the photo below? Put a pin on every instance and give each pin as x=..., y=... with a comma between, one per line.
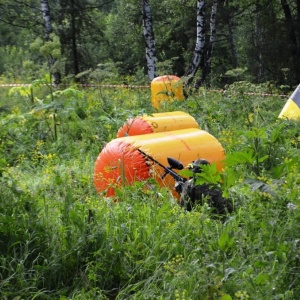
x=59, y=239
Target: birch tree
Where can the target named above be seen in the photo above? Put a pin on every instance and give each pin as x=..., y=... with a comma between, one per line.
x=149, y=39
x=200, y=41
x=209, y=49
x=45, y=8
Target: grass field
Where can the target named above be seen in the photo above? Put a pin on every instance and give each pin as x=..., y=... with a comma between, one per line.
x=59, y=239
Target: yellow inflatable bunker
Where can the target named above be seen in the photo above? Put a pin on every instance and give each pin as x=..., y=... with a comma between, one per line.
x=157, y=122
x=166, y=88
x=123, y=161
x=291, y=109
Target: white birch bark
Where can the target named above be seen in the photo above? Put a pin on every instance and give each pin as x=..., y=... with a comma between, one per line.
x=149, y=39
x=47, y=19
x=207, y=63
x=45, y=8
x=200, y=41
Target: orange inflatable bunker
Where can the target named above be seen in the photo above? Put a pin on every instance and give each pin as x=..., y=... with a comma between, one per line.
x=157, y=122
x=121, y=163
x=166, y=88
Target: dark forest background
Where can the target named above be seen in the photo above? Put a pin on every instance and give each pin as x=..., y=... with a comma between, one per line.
x=102, y=40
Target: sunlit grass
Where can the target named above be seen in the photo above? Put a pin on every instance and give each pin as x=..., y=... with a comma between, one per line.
x=62, y=240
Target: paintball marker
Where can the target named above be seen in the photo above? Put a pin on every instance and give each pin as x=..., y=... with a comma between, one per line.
x=191, y=194
x=173, y=164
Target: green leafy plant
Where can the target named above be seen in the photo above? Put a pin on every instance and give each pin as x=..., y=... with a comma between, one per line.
x=62, y=240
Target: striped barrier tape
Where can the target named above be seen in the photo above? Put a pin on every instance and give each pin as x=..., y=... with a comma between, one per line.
x=83, y=85
x=127, y=86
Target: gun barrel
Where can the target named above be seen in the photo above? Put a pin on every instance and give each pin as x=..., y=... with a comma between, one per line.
x=167, y=170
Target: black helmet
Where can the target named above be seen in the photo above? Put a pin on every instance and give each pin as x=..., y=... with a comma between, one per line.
x=195, y=166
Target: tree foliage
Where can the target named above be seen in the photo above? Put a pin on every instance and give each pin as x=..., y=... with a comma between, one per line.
x=259, y=36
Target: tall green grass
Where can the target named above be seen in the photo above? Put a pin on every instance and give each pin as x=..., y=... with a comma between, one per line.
x=61, y=240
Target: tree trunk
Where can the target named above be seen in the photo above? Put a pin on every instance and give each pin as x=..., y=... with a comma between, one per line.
x=290, y=25
x=45, y=8
x=298, y=21
x=231, y=40
x=149, y=39
x=293, y=34
x=200, y=41
x=207, y=62
x=47, y=19
x=74, y=39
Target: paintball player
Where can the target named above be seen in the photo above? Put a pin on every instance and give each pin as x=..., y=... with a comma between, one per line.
x=193, y=194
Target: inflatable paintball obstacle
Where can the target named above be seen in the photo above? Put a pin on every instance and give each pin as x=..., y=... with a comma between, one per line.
x=166, y=89
x=126, y=159
x=157, y=122
x=291, y=110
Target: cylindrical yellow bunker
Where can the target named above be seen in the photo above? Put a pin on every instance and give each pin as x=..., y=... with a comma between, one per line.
x=121, y=163
x=166, y=88
x=157, y=122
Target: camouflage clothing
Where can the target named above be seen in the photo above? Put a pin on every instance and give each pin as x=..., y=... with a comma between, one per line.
x=192, y=195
